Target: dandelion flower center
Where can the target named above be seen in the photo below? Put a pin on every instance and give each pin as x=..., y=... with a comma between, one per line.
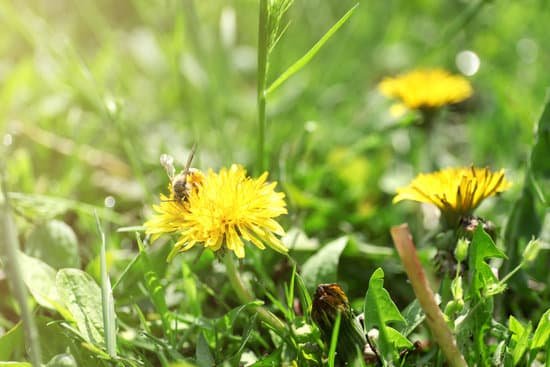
x=227, y=210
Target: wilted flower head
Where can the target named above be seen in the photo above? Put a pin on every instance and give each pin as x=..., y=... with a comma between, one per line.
x=455, y=191
x=329, y=301
x=225, y=210
x=429, y=88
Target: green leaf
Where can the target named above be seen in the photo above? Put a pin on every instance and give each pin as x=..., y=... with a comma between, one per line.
x=482, y=248
x=322, y=267
x=304, y=60
x=55, y=243
x=189, y=285
x=334, y=340
x=155, y=288
x=15, y=364
x=274, y=359
x=304, y=296
x=107, y=300
x=397, y=339
x=82, y=298
x=520, y=338
x=12, y=343
x=379, y=310
x=203, y=355
x=525, y=220
x=413, y=315
x=542, y=333
x=39, y=278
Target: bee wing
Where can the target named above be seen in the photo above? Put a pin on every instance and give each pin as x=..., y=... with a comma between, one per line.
x=190, y=158
x=167, y=161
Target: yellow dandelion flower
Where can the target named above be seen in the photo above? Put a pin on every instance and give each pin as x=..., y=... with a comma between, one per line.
x=455, y=191
x=227, y=209
x=428, y=88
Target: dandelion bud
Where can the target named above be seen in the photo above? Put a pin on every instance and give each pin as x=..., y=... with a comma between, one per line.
x=531, y=250
x=329, y=300
x=461, y=249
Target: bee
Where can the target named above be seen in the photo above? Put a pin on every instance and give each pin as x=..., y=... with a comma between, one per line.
x=179, y=182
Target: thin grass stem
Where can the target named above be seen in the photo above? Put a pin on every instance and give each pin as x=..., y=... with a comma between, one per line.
x=443, y=335
x=107, y=301
x=263, y=50
x=11, y=246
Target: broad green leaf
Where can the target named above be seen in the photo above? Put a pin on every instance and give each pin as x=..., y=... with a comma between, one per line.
x=39, y=278
x=12, y=343
x=202, y=354
x=323, y=266
x=304, y=60
x=413, y=315
x=520, y=338
x=397, y=339
x=82, y=298
x=379, y=310
x=55, y=243
x=47, y=207
x=481, y=248
x=15, y=364
x=542, y=333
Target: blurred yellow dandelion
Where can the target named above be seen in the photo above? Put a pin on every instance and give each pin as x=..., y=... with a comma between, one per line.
x=428, y=88
x=225, y=210
x=455, y=191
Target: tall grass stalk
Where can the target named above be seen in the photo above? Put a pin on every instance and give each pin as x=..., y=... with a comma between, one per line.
x=402, y=239
x=11, y=247
x=107, y=301
x=263, y=50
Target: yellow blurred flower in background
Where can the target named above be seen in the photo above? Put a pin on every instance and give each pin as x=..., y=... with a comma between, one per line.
x=426, y=88
x=227, y=209
x=455, y=191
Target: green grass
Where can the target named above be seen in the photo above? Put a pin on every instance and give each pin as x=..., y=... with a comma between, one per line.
x=93, y=92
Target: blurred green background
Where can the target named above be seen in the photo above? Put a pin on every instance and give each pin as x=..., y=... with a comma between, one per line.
x=92, y=92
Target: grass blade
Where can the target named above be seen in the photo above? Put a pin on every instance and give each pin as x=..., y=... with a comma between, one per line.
x=107, y=301
x=304, y=60
x=334, y=340
x=9, y=245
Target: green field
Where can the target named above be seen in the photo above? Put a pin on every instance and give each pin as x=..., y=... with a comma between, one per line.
x=109, y=258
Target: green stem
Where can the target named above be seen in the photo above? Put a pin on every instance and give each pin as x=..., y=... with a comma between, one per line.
x=11, y=245
x=263, y=46
x=245, y=296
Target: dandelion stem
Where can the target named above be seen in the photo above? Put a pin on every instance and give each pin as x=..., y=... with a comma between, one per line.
x=11, y=246
x=246, y=296
x=263, y=47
